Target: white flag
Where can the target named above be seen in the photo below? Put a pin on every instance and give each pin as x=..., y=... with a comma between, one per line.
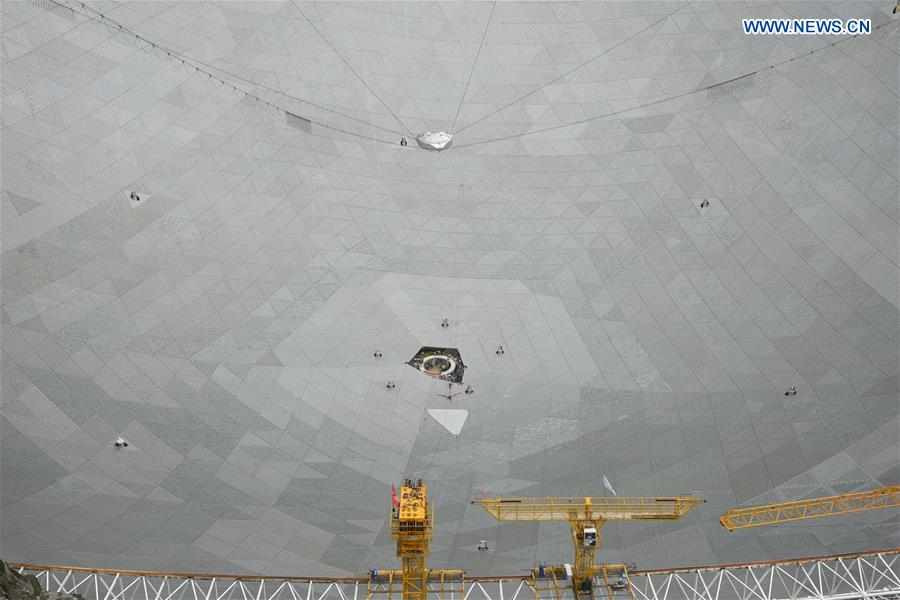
x=608, y=486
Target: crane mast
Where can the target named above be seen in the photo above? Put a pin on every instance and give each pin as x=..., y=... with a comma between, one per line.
x=412, y=522
x=411, y=526
x=585, y=529
x=773, y=514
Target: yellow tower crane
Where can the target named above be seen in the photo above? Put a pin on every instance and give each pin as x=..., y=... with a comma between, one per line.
x=412, y=522
x=585, y=517
x=773, y=514
x=411, y=526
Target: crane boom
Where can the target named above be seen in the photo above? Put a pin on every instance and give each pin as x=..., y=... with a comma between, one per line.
x=772, y=514
x=603, y=508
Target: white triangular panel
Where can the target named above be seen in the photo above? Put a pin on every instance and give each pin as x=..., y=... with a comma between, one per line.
x=451, y=419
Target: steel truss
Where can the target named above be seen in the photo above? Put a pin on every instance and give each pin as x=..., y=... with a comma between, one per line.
x=813, y=508
x=869, y=575
x=872, y=576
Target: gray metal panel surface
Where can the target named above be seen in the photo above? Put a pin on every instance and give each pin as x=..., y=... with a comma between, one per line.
x=226, y=324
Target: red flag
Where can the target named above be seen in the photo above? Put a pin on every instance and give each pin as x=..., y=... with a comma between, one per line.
x=394, y=497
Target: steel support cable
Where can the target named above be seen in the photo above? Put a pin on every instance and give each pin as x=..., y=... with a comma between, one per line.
x=281, y=93
x=576, y=67
x=349, y=66
x=233, y=75
x=474, y=63
x=113, y=26
x=668, y=98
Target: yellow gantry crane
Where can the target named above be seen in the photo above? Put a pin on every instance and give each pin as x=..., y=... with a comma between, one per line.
x=585, y=517
x=773, y=514
x=412, y=522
